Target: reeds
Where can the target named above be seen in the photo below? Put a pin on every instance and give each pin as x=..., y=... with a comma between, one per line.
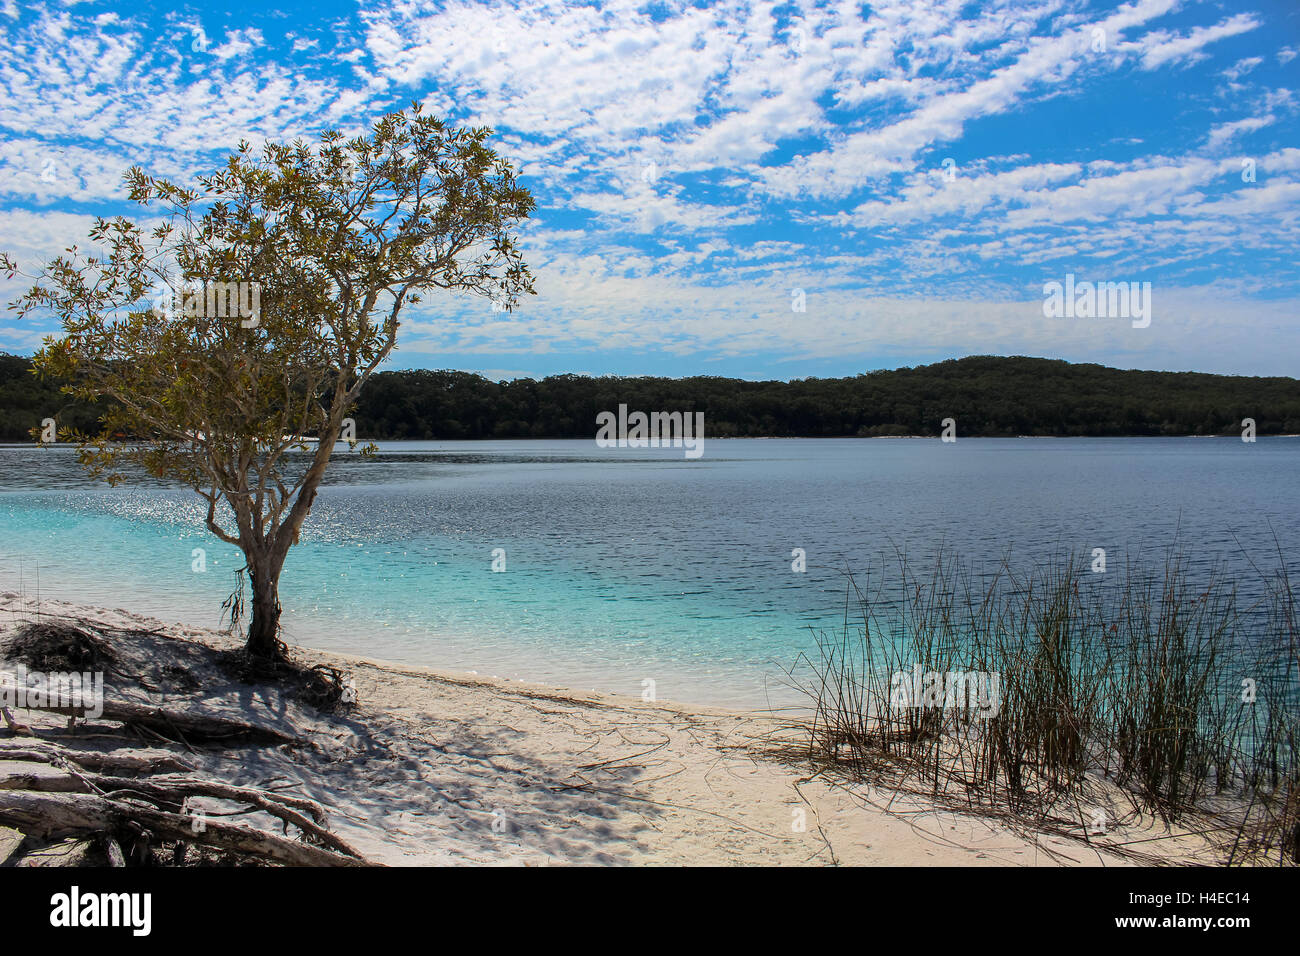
x=1176, y=694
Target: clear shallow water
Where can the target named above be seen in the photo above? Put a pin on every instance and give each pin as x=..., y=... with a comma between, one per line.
x=625, y=565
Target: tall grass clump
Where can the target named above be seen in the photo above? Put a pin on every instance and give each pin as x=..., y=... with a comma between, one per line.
x=1024, y=691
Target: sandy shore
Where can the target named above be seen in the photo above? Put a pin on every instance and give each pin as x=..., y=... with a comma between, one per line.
x=440, y=768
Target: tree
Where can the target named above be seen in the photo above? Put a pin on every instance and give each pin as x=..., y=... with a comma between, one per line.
x=259, y=308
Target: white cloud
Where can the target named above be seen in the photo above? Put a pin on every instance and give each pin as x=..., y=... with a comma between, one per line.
x=1227, y=131
x=1242, y=67
x=806, y=155
x=238, y=43
x=1165, y=47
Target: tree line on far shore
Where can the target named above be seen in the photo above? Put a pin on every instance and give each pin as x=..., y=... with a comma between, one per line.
x=987, y=395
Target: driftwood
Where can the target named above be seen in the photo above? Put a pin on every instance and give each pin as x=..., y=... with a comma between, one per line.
x=148, y=761
x=91, y=794
x=122, y=798
x=130, y=802
x=178, y=723
x=192, y=726
x=64, y=814
x=175, y=791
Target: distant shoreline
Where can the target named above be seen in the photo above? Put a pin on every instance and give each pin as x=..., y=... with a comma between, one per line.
x=713, y=438
x=987, y=396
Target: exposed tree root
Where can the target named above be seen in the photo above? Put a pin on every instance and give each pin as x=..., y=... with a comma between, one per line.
x=178, y=725
x=75, y=804
x=52, y=646
x=192, y=726
x=177, y=791
x=139, y=761
x=323, y=687
x=74, y=814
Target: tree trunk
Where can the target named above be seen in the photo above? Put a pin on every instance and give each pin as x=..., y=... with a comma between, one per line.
x=265, y=559
x=264, y=625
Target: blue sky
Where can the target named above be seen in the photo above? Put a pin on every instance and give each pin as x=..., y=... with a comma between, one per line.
x=917, y=169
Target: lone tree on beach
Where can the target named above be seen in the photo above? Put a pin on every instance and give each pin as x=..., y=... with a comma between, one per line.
x=256, y=312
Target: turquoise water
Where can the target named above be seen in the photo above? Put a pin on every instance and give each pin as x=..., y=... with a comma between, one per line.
x=625, y=565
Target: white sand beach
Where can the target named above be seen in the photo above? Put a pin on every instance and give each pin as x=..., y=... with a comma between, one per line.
x=432, y=767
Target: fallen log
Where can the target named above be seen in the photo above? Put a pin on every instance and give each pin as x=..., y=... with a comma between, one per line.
x=71, y=814
x=10, y=841
x=193, y=726
x=225, y=791
x=181, y=723
x=176, y=790
x=155, y=761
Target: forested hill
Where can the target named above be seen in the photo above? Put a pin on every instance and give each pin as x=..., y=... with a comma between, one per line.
x=987, y=395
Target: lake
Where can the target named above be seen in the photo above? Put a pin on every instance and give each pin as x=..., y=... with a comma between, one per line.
x=628, y=565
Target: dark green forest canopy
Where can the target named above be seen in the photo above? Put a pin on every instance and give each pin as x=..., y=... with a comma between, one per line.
x=987, y=395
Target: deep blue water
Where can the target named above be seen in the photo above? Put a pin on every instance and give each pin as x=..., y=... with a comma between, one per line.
x=623, y=565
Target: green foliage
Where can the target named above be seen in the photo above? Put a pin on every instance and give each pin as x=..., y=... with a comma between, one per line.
x=1146, y=678
x=259, y=307
x=987, y=395
x=26, y=400
x=325, y=244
